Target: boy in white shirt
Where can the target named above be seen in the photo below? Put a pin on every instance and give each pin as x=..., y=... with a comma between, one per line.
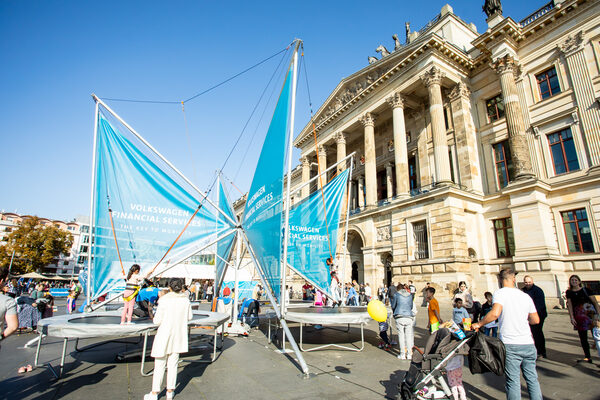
x=515, y=311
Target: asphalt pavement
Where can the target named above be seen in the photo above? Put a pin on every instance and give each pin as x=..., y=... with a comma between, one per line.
x=252, y=368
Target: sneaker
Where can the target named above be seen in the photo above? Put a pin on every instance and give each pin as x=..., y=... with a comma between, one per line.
x=150, y=396
x=130, y=323
x=402, y=356
x=380, y=345
x=409, y=357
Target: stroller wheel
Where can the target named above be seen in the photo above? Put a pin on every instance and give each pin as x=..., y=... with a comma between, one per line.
x=406, y=392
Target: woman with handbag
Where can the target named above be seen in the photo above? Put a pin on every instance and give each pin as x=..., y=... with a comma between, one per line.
x=582, y=308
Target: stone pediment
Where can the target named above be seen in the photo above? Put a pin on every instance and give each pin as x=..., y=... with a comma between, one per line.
x=356, y=86
x=351, y=87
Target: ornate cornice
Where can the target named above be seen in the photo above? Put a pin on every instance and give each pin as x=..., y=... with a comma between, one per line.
x=573, y=44
x=432, y=77
x=396, y=100
x=368, y=119
x=460, y=90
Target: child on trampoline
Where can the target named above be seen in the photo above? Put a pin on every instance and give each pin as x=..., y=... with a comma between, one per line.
x=134, y=280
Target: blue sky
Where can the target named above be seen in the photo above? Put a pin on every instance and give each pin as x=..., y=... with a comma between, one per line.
x=55, y=54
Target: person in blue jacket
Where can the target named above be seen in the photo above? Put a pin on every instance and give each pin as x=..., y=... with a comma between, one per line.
x=147, y=298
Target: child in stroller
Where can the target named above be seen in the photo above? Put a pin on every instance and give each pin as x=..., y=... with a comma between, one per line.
x=425, y=376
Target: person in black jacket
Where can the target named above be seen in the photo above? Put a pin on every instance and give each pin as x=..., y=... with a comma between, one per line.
x=539, y=299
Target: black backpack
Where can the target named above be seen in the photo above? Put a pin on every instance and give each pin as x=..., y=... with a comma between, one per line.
x=486, y=354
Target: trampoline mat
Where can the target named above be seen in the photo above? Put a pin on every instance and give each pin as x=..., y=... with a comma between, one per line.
x=104, y=319
x=108, y=324
x=329, y=315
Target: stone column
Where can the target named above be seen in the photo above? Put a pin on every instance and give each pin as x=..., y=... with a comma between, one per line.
x=583, y=87
x=505, y=67
x=422, y=151
x=322, y=162
x=305, y=175
x=361, y=191
x=432, y=79
x=400, y=151
x=340, y=140
x=368, y=121
x=389, y=180
x=467, y=152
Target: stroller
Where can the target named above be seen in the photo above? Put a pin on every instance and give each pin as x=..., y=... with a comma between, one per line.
x=425, y=376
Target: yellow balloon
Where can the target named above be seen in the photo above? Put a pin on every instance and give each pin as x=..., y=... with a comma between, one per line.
x=377, y=310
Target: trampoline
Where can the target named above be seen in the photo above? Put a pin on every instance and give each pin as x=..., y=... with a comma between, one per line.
x=326, y=316
x=107, y=324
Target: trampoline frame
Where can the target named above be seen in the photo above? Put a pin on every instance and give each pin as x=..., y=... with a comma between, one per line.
x=270, y=316
x=145, y=333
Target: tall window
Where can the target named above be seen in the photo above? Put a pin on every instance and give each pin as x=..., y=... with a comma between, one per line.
x=420, y=239
x=505, y=240
x=562, y=148
x=504, y=166
x=412, y=173
x=548, y=83
x=577, y=231
x=495, y=108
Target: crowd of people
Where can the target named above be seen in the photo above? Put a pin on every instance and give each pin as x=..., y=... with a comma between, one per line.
x=515, y=316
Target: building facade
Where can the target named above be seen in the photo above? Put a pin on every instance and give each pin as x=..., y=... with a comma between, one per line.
x=473, y=152
x=66, y=264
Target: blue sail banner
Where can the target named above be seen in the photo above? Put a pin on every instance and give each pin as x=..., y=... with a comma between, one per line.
x=150, y=208
x=314, y=225
x=262, y=214
x=225, y=246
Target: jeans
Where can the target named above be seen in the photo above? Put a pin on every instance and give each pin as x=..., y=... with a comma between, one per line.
x=406, y=336
x=493, y=332
x=521, y=357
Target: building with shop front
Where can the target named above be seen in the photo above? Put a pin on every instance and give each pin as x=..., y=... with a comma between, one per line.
x=473, y=152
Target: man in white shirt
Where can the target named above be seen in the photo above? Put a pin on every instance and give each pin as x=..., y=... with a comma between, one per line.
x=515, y=311
x=368, y=292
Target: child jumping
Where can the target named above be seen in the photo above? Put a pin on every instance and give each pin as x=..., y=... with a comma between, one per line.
x=134, y=280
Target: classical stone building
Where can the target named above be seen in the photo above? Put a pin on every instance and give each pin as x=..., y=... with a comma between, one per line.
x=473, y=151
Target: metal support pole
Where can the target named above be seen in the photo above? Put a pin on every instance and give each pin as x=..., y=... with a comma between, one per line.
x=88, y=291
x=286, y=330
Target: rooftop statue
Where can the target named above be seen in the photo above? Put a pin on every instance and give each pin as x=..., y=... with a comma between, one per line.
x=383, y=51
x=372, y=59
x=397, y=41
x=492, y=7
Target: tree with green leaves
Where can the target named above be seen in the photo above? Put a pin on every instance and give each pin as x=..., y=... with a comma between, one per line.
x=35, y=246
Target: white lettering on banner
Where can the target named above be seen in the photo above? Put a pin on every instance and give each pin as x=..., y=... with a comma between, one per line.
x=256, y=195
x=261, y=202
x=159, y=210
x=152, y=214
x=306, y=233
